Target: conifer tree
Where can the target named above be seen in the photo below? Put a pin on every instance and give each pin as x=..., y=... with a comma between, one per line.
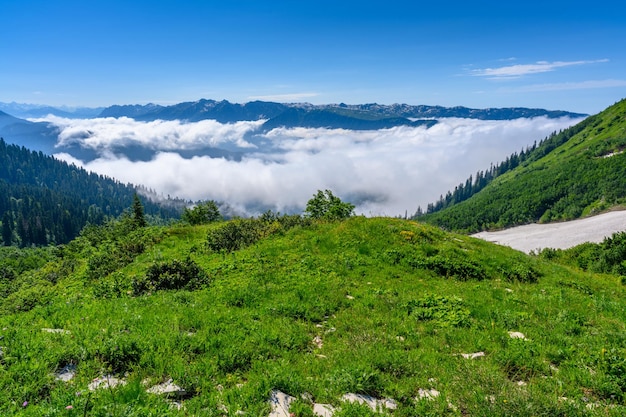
x=138, y=217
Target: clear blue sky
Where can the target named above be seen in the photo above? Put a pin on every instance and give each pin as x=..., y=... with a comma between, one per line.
x=548, y=54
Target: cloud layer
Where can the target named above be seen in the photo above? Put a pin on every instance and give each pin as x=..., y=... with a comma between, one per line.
x=384, y=172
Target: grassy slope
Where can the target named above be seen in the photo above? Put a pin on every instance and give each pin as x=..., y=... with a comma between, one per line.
x=374, y=290
x=573, y=180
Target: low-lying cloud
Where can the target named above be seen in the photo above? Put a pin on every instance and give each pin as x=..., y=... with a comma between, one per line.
x=384, y=172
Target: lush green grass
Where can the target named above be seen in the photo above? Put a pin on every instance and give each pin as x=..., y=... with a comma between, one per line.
x=394, y=304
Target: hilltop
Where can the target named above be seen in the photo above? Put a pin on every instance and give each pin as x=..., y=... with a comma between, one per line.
x=571, y=174
x=231, y=313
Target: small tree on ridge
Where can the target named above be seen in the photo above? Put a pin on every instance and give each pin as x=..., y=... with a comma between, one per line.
x=325, y=205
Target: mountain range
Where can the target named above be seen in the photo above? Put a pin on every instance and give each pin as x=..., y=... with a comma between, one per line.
x=39, y=136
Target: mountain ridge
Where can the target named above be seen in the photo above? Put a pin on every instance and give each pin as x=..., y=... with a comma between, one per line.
x=341, y=115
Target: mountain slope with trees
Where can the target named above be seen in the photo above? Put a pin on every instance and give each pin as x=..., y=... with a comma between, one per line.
x=44, y=200
x=577, y=172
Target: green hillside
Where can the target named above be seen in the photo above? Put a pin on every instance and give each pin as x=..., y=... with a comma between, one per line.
x=231, y=311
x=575, y=173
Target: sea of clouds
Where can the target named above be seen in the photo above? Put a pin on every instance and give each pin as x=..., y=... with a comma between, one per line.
x=383, y=172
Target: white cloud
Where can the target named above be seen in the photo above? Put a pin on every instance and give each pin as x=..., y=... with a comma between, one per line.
x=582, y=85
x=519, y=70
x=385, y=172
x=161, y=135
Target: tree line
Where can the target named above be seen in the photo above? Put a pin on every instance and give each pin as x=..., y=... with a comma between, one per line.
x=476, y=183
x=47, y=201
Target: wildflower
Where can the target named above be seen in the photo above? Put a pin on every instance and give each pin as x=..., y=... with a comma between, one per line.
x=69, y=407
x=25, y=403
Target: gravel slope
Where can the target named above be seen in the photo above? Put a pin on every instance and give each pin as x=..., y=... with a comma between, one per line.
x=558, y=235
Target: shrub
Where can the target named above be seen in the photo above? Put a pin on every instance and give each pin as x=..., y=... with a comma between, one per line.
x=202, y=213
x=27, y=298
x=173, y=275
x=443, y=311
x=234, y=235
x=7, y=276
x=451, y=266
x=520, y=272
x=119, y=354
x=240, y=233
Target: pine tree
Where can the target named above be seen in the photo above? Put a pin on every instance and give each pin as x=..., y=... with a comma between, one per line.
x=138, y=217
x=7, y=228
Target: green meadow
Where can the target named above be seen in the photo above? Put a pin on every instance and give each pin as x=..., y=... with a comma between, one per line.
x=231, y=311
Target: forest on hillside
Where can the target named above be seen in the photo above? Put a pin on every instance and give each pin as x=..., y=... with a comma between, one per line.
x=46, y=201
x=575, y=173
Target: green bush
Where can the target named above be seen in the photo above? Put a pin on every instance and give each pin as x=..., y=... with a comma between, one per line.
x=234, y=235
x=451, y=266
x=520, y=273
x=7, y=277
x=173, y=275
x=240, y=233
x=26, y=299
x=443, y=311
x=119, y=354
x=202, y=213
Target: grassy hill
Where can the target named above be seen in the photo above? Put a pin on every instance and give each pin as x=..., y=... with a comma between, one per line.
x=576, y=173
x=234, y=310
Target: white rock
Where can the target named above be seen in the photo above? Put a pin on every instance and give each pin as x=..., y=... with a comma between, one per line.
x=279, y=401
x=317, y=341
x=473, y=355
x=361, y=399
x=517, y=335
x=66, y=374
x=390, y=404
x=427, y=394
x=60, y=331
x=106, y=381
x=167, y=388
x=373, y=403
x=323, y=410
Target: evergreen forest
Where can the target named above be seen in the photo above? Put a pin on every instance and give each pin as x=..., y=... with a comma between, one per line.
x=46, y=201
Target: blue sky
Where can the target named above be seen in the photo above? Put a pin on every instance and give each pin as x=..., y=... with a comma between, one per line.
x=548, y=54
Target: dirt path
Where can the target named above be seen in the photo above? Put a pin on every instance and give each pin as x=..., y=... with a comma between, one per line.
x=558, y=235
